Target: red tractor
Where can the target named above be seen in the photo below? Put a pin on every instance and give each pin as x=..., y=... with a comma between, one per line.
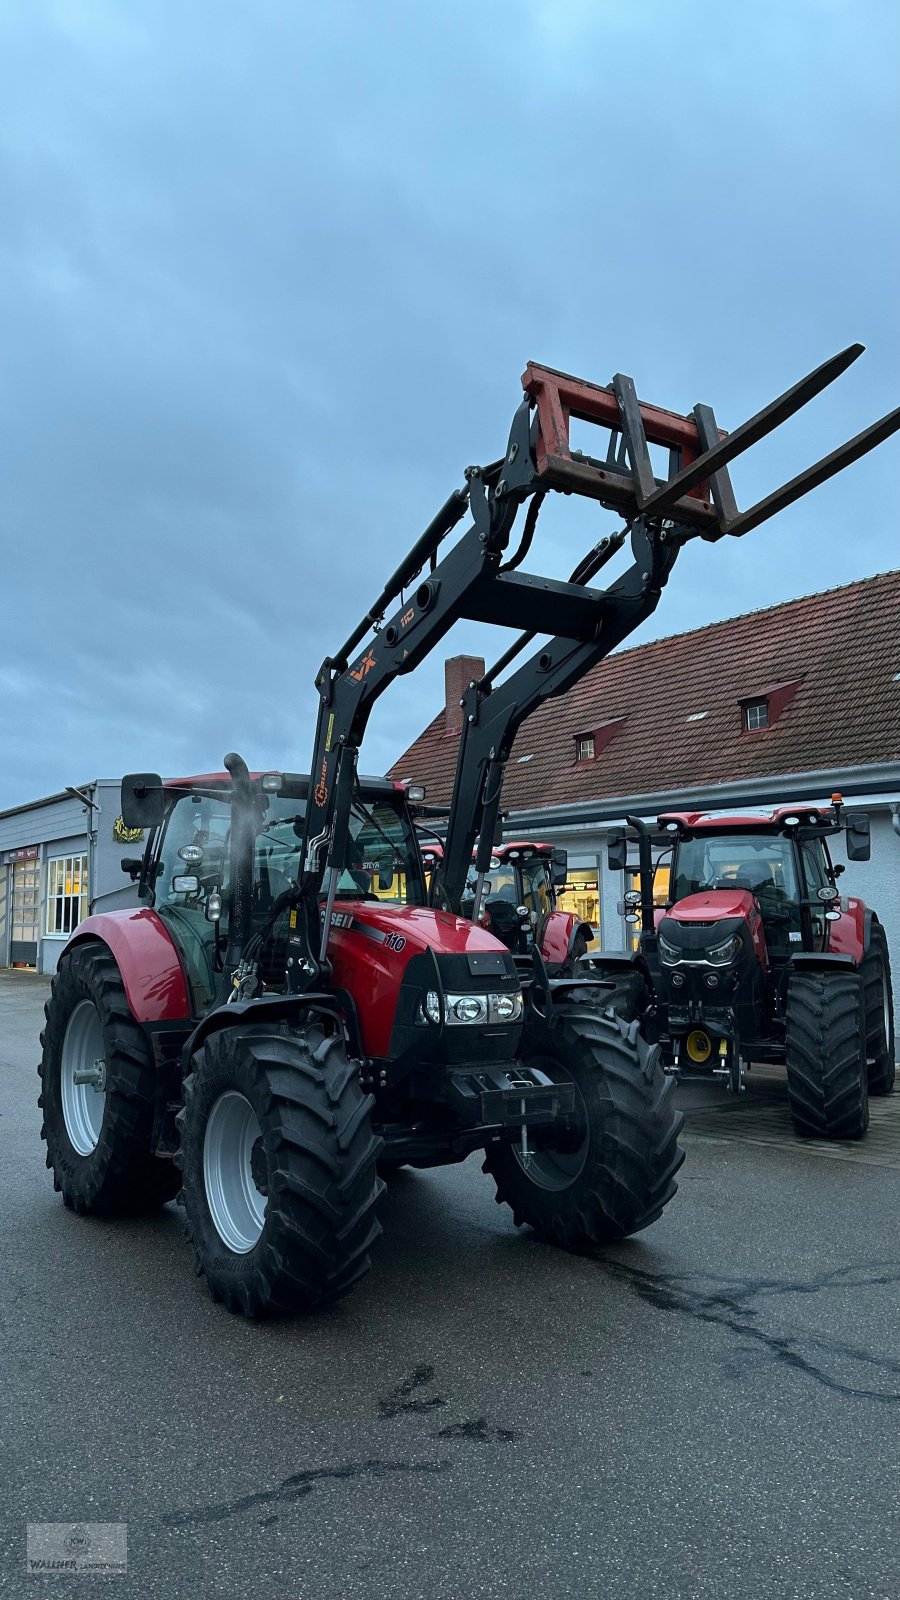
x=274, y=1025
x=757, y=957
x=520, y=902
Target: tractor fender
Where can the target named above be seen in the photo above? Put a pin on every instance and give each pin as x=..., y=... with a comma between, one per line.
x=851, y=935
x=557, y=936
x=822, y=961
x=147, y=957
x=265, y=1008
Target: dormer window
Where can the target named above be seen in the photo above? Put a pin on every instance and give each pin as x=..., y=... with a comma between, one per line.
x=763, y=709
x=591, y=742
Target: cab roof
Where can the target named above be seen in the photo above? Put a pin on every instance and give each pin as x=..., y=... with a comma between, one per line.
x=773, y=821
x=296, y=781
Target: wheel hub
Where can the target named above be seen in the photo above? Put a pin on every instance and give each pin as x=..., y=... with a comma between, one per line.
x=83, y=1078
x=235, y=1172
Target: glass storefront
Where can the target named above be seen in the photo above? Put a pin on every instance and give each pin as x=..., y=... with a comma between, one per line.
x=581, y=895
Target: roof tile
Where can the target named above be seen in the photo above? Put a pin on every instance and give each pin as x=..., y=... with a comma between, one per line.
x=844, y=644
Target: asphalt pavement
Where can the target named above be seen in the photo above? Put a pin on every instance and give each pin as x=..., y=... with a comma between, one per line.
x=711, y=1409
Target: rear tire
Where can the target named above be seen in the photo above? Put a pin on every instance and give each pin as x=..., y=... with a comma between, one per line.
x=879, y=1004
x=826, y=1060
x=621, y=1174
x=99, y=1138
x=278, y=1162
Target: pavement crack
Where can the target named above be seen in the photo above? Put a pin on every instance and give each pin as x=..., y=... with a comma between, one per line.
x=400, y=1400
x=728, y=1307
x=297, y=1487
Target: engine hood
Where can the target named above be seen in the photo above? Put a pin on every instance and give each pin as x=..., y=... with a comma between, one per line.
x=411, y=928
x=713, y=905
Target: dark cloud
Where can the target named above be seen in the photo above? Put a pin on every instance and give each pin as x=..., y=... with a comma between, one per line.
x=269, y=275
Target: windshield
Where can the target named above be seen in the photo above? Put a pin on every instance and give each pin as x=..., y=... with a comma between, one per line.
x=381, y=860
x=763, y=864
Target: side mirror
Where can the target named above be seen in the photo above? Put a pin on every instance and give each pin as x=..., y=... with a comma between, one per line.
x=185, y=883
x=559, y=867
x=859, y=841
x=617, y=852
x=143, y=800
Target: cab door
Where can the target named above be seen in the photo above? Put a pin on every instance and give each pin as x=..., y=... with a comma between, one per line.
x=816, y=878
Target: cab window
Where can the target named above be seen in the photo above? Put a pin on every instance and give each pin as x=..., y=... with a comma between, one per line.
x=537, y=895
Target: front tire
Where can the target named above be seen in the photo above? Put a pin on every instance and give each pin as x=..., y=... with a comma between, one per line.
x=99, y=1133
x=278, y=1163
x=825, y=1057
x=879, y=1004
x=616, y=1172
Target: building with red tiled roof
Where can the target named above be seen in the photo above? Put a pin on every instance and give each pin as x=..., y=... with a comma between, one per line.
x=787, y=703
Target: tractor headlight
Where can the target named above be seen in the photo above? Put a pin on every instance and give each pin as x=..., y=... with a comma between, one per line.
x=470, y=1008
x=506, y=1007
x=669, y=954
x=719, y=955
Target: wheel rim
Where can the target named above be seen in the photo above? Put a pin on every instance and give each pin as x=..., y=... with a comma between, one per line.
x=83, y=1057
x=557, y=1169
x=236, y=1204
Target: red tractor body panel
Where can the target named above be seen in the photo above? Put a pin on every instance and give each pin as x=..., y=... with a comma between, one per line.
x=848, y=936
x=714, y=905
x=557, y=935
x=147, y=959
x=370, y=947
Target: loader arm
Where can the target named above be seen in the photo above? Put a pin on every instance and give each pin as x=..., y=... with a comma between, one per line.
x=492, y=716
x=472, y=580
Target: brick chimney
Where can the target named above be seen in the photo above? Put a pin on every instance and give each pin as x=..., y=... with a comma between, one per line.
x=459, y=672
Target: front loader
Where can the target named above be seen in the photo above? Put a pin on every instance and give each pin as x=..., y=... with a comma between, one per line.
x=285, y=1011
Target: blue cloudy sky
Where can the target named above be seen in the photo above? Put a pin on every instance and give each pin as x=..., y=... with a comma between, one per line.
x=269, y=274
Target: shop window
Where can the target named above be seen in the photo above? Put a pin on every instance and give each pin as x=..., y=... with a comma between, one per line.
x=581, y=896
x=67, y=894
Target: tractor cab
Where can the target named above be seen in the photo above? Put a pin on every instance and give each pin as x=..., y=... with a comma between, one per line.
x=186, y=870
x=771, y=873
x=518, y=902
x=519, y=892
